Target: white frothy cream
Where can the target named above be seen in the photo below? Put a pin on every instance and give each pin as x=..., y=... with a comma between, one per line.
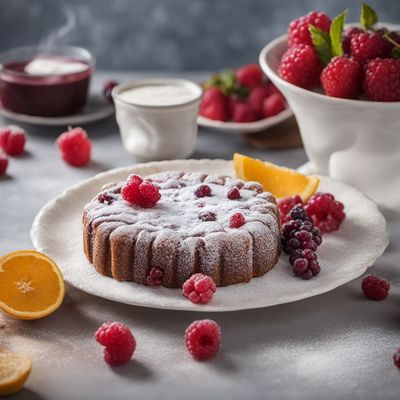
x=52, y=66
x=158, y=95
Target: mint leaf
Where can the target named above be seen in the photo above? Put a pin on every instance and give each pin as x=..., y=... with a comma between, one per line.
x=396, y=46
x=368, y=16
x=396, y=53
x=335, y=34
x=322, y=43
x=225, y=81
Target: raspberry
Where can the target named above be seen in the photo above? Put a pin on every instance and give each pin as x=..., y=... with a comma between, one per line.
x=233, y=194
x=105, y=198
x=107, y=90
x=298, y=29
x=199, y=288
x=155, y=276
x=382, y=80
x=144, y=194
x=326, y=213
x=300, y=66
x=396, y=358
x=75, y=147
x=243, y=112
x=285, y=205
x=375, y=288
x=342, y=78
x=203, y=191
x=347, y=35
x=273, y=105
x=250, y=75
x=369, y=45
x=207, y=216
x=3, y=163
x=118, y=341
x=134, y=178
x=12, y=140
x=214, y=105
x=203, y=339
x=257, y=96
x=236, y=220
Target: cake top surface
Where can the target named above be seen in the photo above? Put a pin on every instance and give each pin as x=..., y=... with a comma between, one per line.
x=179, y=209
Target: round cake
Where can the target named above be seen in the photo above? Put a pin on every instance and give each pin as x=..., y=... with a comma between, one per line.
x=183, y=234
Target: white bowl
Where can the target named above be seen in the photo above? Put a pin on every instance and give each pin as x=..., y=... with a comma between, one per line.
x=355, y=141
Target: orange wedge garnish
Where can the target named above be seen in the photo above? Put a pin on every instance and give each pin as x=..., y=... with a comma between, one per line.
x=14, y=371
x=280, y=181
x=31, y=285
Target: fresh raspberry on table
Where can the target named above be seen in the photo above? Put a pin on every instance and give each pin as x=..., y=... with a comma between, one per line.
x=107, y=90
x=214, y=105
x=250, y=75
x=273, y=105
x=257, y=96
x=233, y=194
x=285, y=205
x=203, y=339
x=3, y=162
x=203, y=191
x=199, y=288
x=155, y=277
x=300, y=66
x=298, y=29
x=348, y=33
x=244, y=112
x=12, y=140
x=382, y=79
x=375, y=288
x=342, y=78
x=325, y=211
x=236, y=220
x=140, y=193
x=118, y=341
x=369, y=45
x=75, y=147
x=396, y=358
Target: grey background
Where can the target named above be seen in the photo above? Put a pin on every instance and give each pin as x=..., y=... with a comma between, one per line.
x=165, y=34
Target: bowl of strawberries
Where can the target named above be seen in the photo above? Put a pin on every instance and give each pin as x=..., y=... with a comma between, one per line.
x=241, y=101
x=342, y=83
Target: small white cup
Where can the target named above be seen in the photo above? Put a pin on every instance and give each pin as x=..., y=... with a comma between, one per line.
x=158, y=132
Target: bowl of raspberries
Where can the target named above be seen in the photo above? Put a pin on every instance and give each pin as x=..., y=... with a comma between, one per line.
x=342, y=82
x=241, y=101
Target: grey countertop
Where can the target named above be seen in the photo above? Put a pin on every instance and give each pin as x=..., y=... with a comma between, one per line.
x=334, y=346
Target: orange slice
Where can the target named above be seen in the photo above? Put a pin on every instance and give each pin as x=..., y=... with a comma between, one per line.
x=31, y=285
x=279, y=181
x=14, y=371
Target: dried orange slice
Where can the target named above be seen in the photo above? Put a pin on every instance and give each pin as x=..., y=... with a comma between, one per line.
x=279, y=181
x=31, y=285
x=14, y=371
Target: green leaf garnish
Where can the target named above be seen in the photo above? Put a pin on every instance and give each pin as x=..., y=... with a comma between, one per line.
x=335, y=33
x=322, y=43
x=396, y=46
x=396, y=53
x=225, y=81
x=368, y=17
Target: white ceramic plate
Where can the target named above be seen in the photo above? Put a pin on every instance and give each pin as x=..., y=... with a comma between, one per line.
x=96, y=109
x=344, y=255
x=235, y=128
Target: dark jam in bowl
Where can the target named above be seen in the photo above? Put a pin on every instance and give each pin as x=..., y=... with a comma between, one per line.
x=47, y=95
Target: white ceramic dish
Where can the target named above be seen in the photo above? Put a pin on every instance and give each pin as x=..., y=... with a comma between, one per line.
x=355, y=141
x=235, y=128
x=344, y=255
x=96, y=109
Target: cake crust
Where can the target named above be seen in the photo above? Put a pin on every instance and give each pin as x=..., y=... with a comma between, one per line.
x=124, y=241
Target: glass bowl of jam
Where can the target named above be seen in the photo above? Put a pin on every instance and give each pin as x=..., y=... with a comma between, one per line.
x=46, y=82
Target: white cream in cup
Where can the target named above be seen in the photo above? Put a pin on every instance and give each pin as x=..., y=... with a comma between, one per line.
x=157, y=118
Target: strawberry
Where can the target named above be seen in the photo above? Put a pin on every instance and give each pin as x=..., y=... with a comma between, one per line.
x=250, y=75
x=273, y=105
x=214, y=105
x=257, y=95
x=243, y=112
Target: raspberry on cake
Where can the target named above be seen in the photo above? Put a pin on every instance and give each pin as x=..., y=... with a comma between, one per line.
x=183, y=234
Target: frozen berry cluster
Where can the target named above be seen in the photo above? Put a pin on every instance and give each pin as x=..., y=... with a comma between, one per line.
x=244, y=95
x=356, y=62
x=300, y=239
